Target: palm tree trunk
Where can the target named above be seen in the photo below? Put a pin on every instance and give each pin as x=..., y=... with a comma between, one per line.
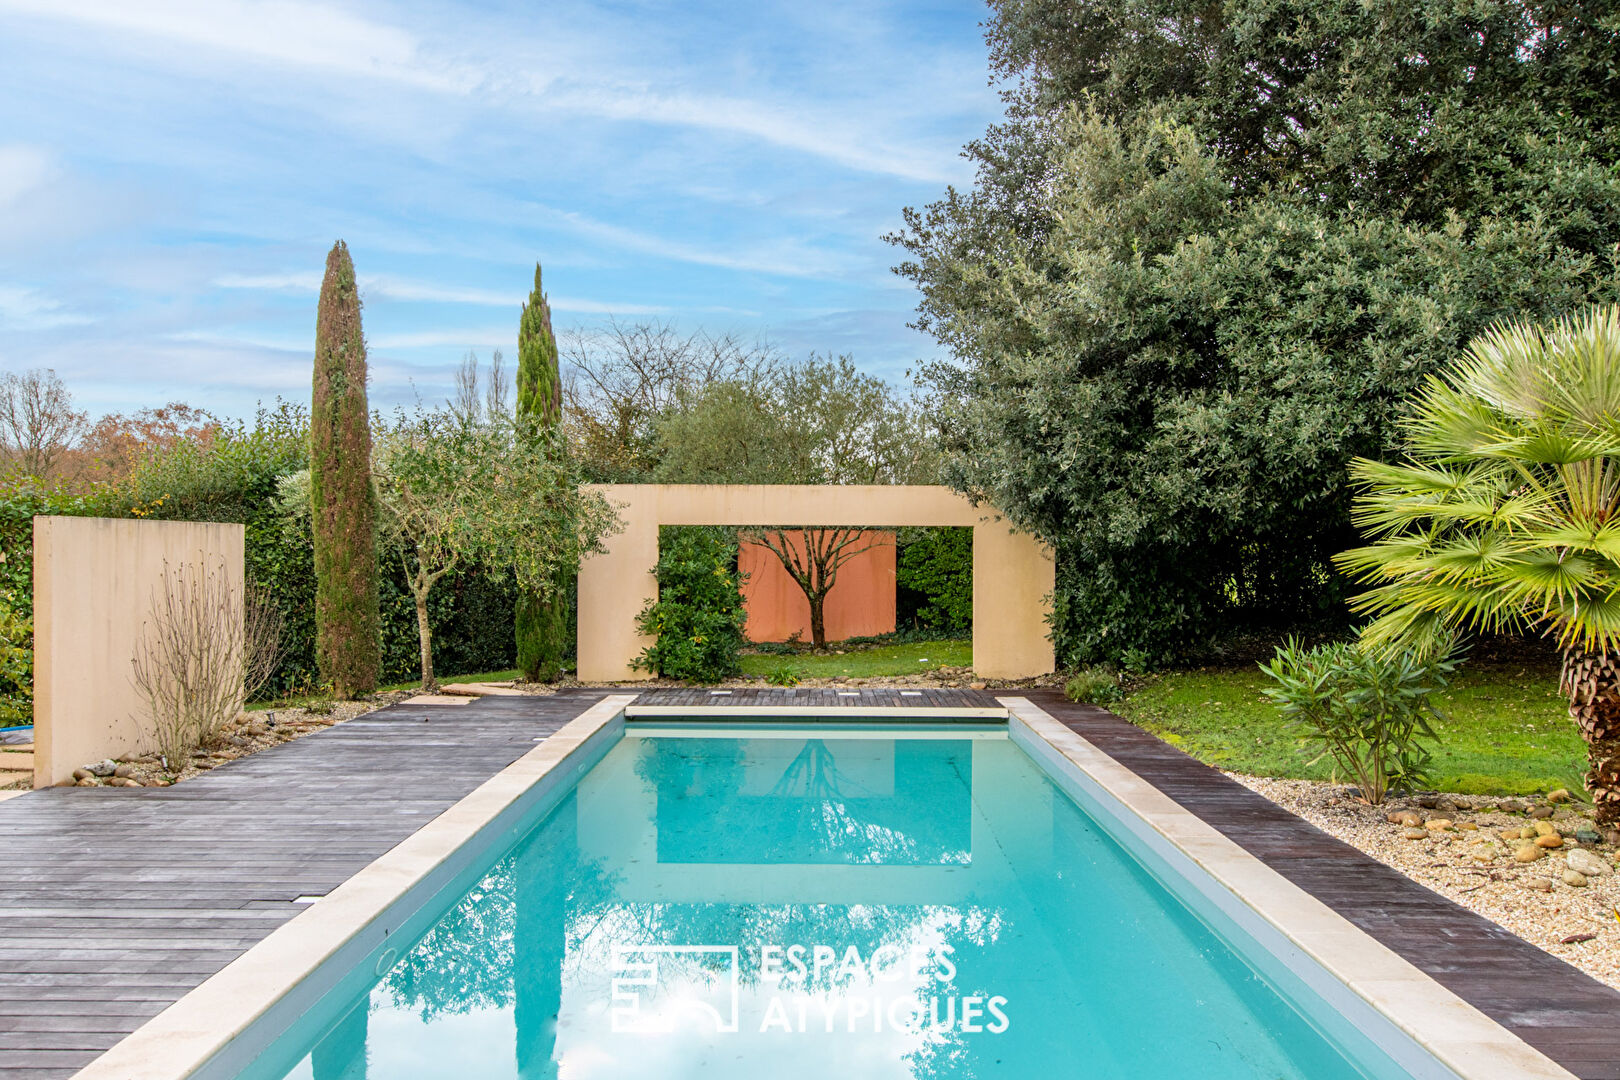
x=1592, y=681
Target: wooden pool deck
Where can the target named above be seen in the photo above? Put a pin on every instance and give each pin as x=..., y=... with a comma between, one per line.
x=115, y=902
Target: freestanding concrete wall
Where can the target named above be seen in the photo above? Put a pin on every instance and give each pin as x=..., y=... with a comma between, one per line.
x=1012, y=572
x=93, y=585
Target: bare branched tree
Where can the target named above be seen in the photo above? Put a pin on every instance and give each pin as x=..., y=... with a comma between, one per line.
x=262, y=626
x=621, y=379
x=466, y=402
x=812, y=557
x=204, y=647
x=38, y=423
x=498, y=395
x=477, y=400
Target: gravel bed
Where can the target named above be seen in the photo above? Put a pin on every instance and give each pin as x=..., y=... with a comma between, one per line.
x=249, y=733
x=1471, y=863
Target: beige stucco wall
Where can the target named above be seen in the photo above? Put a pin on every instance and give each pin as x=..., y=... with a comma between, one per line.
x=1012, y=572
x=93, y=584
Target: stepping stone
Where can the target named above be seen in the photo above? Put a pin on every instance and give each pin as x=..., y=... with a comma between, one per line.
x=481, y=689
x=437, y=699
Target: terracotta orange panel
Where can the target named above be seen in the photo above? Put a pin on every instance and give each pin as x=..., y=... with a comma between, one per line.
x=861, y=601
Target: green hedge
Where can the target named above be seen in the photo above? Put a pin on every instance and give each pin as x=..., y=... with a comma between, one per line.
x=934, y=580
x=233, y=478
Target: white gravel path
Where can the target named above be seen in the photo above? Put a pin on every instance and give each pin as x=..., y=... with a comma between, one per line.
x=1476, y=867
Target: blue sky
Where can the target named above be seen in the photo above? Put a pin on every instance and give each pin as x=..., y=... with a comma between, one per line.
x=172, y=173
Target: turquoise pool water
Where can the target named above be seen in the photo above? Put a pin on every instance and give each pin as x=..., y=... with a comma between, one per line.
x=862, y=904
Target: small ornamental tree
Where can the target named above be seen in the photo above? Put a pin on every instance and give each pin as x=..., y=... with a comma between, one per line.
x=812, y=557
x=455, y=490
x=342, y=507
x=542, y=615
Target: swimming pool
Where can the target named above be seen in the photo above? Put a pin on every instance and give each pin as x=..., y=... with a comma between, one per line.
x=866, y=901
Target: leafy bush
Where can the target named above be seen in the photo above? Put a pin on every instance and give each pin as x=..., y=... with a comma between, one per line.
x=1096, y=685
x=1367, y=710
x=698, y=617
x=784, y=675
x=20, y=500
x=934, y=577
x=16, y=665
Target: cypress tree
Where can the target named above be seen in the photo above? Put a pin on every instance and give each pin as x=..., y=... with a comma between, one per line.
x=343, y=506
x=542, y=621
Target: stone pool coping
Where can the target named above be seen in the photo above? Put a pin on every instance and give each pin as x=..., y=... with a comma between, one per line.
x=192, y=1032
x=1385, y=987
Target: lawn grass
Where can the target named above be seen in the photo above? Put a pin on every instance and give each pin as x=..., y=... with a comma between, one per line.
x=1507, y=730
x=866, y=663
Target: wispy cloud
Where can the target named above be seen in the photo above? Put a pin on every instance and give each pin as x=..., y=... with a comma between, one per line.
x=326, y=38
x=27, y=309
x=459, y=339
x=285, y=31
x=22, y=169
x=845, y=141
x=383, y=286
x=782, y=259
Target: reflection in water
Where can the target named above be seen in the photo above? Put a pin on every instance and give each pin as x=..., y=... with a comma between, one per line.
x=881, y=895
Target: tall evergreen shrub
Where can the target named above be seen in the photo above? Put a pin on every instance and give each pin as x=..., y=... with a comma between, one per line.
x=343, y=506
x=542, y=620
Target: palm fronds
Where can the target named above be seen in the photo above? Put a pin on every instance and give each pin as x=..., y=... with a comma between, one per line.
x=1506, y=513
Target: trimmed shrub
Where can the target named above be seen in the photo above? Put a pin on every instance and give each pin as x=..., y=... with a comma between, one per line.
x=699, y=615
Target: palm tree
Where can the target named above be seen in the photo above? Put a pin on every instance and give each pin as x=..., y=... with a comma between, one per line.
x=1505, y=515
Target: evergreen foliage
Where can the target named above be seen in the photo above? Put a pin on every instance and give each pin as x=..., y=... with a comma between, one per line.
x=343, y=507
x=542, y=621
x=699, y=616
x=934, y=575
x=1210, y=252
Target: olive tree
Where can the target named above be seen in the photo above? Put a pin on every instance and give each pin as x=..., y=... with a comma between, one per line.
x=455, y=489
